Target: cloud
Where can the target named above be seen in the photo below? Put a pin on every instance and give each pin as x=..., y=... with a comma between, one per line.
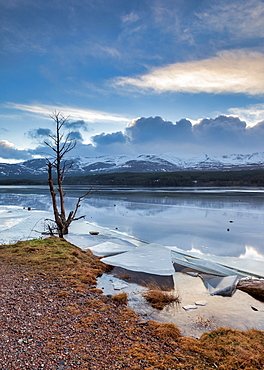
x=107, y=139
x=9, y=151
x=77, y=125
x=220, y=135
x=76, y=135
x=154, y=135
x=236, y=71
x=220, y=131
x=130, y=18
x=96, y=50
x=39, y=134
x=158, y=130
x=77, y=114
x=252, y=114
x=239, y=19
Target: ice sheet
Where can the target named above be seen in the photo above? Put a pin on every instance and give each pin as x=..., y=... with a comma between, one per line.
x=151, y=258
x=19, y=223
x=218, y=265
x=224, y=286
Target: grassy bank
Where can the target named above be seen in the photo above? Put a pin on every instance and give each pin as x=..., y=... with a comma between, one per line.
x=105, y=333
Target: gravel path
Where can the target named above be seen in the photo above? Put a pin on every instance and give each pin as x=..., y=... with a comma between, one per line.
x=47, y=325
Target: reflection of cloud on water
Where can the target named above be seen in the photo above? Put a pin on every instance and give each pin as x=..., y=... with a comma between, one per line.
x=34, y=200
x=211, y=223
x=252, y=253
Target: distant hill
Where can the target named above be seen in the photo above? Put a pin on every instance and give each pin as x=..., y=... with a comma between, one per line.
x=36, y=170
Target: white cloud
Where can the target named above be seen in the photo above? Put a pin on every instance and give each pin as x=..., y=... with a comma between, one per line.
x=73, y=113
x=240, y=19
x=235, y=71
x=252, y=114
x=130, y=18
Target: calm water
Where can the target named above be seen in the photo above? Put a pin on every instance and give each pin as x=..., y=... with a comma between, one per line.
x=228, y=222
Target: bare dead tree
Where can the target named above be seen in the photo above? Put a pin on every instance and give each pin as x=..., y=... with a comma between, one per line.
x=61, y=144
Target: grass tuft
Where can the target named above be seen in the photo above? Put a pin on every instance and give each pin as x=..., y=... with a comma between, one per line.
x=159, y=298
x=120, y=298
x=228, y=349
x=165, y=330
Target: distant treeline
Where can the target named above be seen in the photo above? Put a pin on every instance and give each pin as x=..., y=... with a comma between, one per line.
x=254, y=178
x=21, y=182
x=169, y=179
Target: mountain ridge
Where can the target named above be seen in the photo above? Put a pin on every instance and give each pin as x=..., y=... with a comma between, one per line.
x=167, y=162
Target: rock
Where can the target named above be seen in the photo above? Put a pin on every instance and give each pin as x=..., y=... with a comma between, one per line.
x=254, y=287
x=142, y=322
x=94, y=232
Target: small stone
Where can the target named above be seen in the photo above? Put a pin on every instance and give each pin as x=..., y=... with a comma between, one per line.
x=142, y=323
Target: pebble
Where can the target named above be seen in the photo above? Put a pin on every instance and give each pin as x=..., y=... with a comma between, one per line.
x=41, y=330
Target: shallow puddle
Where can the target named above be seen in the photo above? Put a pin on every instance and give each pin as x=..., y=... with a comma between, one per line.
x=233, y=312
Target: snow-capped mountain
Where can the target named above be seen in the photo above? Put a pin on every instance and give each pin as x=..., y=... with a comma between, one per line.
x=168, y=162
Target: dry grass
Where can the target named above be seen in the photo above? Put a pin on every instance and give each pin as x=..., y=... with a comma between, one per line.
x=56, y=257
x=120, y=298
x=159, y=298
x=227, y=349
x=207, y=323
x=165, y=330
x=151, y=346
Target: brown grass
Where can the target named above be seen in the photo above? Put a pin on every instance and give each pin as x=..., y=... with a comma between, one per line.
x=56, y=257
x=151, y=346
x=165, y=330
x=121, y=297
x=227, y=349
x=159, y=298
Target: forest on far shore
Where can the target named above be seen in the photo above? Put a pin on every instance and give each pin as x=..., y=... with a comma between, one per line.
x=252, y=178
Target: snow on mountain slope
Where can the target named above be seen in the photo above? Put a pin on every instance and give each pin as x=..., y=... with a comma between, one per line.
x=167, y=162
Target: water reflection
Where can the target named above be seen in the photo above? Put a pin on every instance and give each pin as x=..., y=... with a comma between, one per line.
x=215, y=221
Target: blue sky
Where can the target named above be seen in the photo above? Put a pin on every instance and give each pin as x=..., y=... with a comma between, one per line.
x=141, y=76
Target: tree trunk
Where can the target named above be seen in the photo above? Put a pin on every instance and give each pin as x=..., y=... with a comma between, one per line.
x=54, y=202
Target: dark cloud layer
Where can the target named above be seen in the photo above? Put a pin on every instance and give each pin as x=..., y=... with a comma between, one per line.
x=76, y=135
x=108, y=139
x=39, y=133
x=223, y=134
x=8, y=151
x=76, y=125
x=157, y=129
x=220, y=135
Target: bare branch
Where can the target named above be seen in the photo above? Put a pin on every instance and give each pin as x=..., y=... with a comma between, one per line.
x=61, y=144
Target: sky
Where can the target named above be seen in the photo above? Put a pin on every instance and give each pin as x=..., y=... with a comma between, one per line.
x=132, y=77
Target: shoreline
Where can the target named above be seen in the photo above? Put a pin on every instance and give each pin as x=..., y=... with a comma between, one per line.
x=235, y=312
x=58, y=321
